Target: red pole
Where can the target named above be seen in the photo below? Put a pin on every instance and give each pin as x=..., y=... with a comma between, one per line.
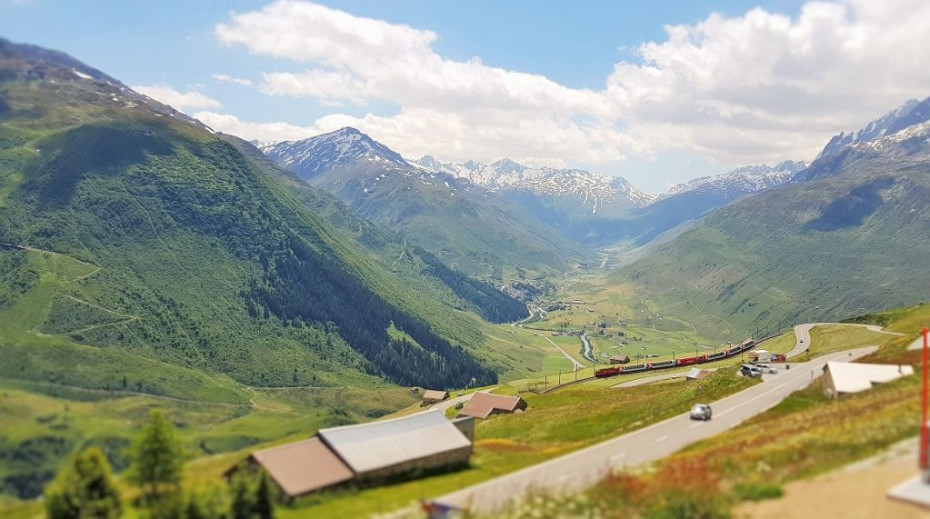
x=924, y=433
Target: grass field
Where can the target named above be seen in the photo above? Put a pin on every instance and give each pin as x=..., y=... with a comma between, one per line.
x=805, y=435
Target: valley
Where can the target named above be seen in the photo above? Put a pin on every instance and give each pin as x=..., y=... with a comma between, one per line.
x=258, y=292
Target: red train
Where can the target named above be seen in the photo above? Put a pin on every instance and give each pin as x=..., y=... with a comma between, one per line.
x=746, y=345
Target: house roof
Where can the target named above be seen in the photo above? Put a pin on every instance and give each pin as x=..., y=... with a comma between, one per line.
x=302, y=467
x=385, y=443
x=432, y=394
x=851, y=377
x=697, y=373
x=482, y=404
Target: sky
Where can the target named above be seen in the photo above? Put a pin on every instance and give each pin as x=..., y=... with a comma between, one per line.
x=658, y=92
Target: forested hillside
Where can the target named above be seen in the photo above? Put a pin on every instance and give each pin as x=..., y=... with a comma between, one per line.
x=130, y=230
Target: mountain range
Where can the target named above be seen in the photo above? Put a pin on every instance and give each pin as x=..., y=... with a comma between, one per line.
x=464, y=224
x=544, y=220
x=847, y=235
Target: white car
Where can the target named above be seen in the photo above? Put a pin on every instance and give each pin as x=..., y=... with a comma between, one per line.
x=701, y=412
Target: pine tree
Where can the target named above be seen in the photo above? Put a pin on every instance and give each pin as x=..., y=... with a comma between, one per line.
x=242, y=496
x=264, y=500
x=84, y=489
x=156, y=458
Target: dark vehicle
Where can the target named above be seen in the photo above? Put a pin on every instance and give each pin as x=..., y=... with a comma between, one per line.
x=701, y=412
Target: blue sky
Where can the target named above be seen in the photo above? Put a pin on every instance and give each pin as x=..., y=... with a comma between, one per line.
x=573, y=107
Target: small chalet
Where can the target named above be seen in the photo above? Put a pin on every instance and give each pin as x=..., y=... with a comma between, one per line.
x=431, y=396
x=483, y=405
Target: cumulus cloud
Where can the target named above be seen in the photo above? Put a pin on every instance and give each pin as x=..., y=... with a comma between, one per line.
x=746, y=89
x=226, y=78
x=183, y=101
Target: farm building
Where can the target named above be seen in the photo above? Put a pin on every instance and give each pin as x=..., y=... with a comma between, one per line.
x=367, y=453
x=431, y=396
x=302, y=467
x=847, y=377
x=619, y=359
x=484, y=404
x=377, y=450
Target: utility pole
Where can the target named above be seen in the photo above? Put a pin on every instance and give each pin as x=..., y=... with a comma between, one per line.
x=924, y=433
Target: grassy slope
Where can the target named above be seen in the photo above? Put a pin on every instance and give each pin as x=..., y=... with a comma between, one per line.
x=129, y=293
x=805, y=435
x=788, y=255
x=808, y=433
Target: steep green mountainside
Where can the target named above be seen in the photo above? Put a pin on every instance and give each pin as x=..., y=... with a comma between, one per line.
x=848, y=236
x=464, y=225
x=137, y=240
x=392, y=250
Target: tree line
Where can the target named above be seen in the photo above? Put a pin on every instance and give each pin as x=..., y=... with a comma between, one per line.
x=85, y=488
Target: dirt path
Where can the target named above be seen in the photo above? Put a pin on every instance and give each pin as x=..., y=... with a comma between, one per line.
x=575, y=364
x=855, y=491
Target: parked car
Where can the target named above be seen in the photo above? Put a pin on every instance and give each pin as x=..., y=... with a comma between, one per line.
x=701, y=412
x=750, y=371
x=767, y=369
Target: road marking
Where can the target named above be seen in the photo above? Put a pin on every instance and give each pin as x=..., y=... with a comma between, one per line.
x=661, y=439
x=697, y=425
x=617, y=460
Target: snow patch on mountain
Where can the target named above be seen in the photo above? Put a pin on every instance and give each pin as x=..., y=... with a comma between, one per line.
x=745, y=179
x=340, y=148
x=593, y=190
x=912, y=113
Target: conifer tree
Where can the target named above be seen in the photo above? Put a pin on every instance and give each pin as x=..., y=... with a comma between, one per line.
x=156, y=458
x=84, y=489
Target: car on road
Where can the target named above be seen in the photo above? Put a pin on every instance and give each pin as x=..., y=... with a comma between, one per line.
x=701, y=412
x=767, y=369
x=748, y=370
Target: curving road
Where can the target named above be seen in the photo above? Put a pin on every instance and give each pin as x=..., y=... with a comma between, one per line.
x=584, y=468
x=802, y=334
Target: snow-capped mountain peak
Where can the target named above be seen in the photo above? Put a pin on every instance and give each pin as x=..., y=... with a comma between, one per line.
x=594, y=191
x=909, y=114
x=339, y=148
x=744, y=180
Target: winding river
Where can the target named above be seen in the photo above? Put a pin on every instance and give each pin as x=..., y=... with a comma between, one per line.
x=586, y=351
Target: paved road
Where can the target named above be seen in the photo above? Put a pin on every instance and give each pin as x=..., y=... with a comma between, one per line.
x=802, y=334
x=586, y=467
x=647, y=380
x=656, y=378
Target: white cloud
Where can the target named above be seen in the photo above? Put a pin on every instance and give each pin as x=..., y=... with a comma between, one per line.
x=225, y=78
x=746, y=89
x=183, y=101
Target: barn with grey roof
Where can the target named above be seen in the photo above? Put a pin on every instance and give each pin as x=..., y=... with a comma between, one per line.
x=367, y=453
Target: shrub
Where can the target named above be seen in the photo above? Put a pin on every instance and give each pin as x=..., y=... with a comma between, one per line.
x=757, y=491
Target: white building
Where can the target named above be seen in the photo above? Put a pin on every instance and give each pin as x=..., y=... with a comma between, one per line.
x=848, y=377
